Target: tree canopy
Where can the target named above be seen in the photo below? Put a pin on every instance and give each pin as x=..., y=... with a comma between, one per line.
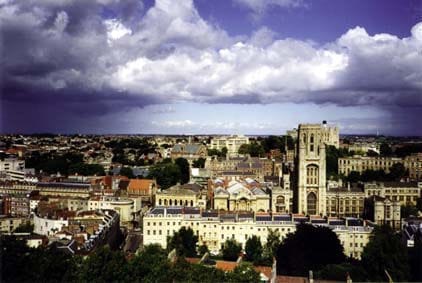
x=254, y=149
x=385, y=252
x=167, y=174
x=253, y=249
x=183, y=165
x=23, y=264
x=199, y=163
x=309, y=248
x=231, y=250
x=184, y=241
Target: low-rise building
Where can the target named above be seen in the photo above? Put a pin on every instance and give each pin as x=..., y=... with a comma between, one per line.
x=190, y=152
x=124, y=206
x=383, y=211
x=189, y=195
x=143, y=188
x=404, y=192
x=345, y=201
x=232, y=143
x=213, y=228
x=64, y=189
x=9, y=224
x=246, y=195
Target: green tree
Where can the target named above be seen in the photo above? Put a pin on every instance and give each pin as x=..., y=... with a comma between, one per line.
x=397, y=172
x=353, y=177
x=224, y=151
x=231, y=250
x=167, y=174
x=243, y=149
x=272, y=244
x=419, y=204
x=184, y=241
x=150, y=265
x=25, y=228
x=385, y=149
x=199, y=163
x=86, y=169
x=184, y=169
x=243, y=273
x=408, y=210
x=203, y=249
x=385, y=251
x=253, y=249
x=309, y=248
x=339, y=272
x=127, y=171
x=104, y=265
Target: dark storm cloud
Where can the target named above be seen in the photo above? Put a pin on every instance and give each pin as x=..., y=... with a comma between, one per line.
x=67, y=60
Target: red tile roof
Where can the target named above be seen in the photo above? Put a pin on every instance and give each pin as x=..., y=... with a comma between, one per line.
x=139, y=186
x=225, y=265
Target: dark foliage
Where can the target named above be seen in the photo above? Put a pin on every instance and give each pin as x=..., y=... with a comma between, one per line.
x=385, y=251
x=309, y=248
x=184, y=241
x=231, y=250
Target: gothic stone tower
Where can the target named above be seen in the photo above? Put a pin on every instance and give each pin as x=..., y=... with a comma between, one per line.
x=311, y=170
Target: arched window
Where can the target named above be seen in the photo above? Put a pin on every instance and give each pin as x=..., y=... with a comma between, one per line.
x=191, y=203
x=280, y=200
x=170, y=202
x=165, y=202
x=159, y=202
x=312, y=202
x=312, y=138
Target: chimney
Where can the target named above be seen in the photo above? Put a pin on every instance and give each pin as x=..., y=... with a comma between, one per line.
x=348, y=186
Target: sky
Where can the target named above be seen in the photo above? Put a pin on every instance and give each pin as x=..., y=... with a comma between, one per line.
x=210, y=67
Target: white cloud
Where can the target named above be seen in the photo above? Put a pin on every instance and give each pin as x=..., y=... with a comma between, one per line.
x=259, y=7
x=115, y=30
x=173, y=55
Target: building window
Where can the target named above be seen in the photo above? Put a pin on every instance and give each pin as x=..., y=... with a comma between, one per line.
x=311, y=201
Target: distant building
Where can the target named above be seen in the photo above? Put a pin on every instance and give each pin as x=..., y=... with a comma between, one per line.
x=190, y=152
x=64, y=189
x=124, y=206
x=9, y=224
x=143, y=188
x=361, y=163
x=383, y=211
x=13, y=164
x=187, y=195
x=346, y=201
x=403, y=192
x=232, y=143
x=245, y=195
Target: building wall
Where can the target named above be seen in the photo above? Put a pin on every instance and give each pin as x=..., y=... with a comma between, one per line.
x=282, y=200
x=48, y=227
x=311, y=170
x=405, y=194
x=232, y=143
x=13, y=164
x=163, y=199
x=362, y=163
x=387, y=212
x=345, y=204
x=9, y=224
x=213, y=232
x=125, y=207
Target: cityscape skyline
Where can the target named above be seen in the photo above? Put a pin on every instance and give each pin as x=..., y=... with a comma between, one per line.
x=226, y=67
